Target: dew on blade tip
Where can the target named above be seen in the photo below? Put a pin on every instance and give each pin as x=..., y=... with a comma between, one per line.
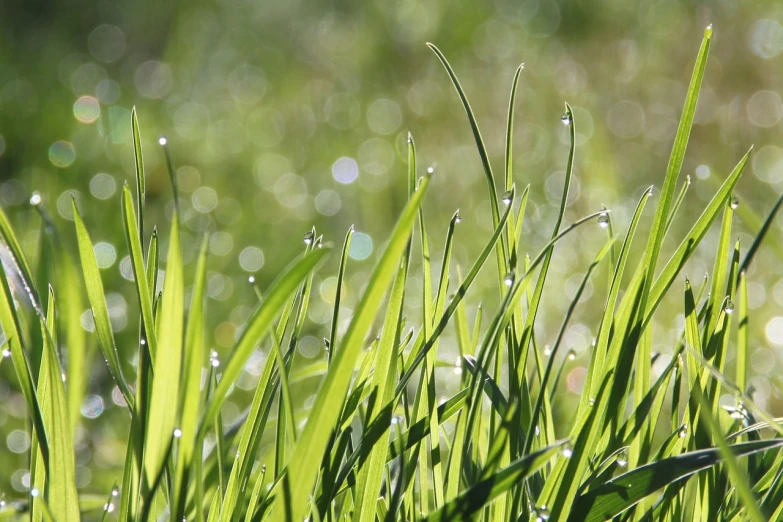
x=622, y=459
x=507, y=197
x=308, y=237
x=603, y=220
x=734, y=202
x=729, y=308
x=566, y=118
x=162, y=141
x=509, y=279
x=35, y=199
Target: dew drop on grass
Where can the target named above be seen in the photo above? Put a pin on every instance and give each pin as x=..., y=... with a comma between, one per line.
x=567, y=451
x=214, y=361
x=34, y=492
x=35, y=199
x=688, y=179
x=6, y=353
x=622, y=459
x=251, y=280
x=177, y=433
x=263, y=468
x=541, y=513
x=506, y=198
x=162, y=141
x=547, y=350
x=603, y=220
x=509, y=279
x=683, y=431
x=591, y=401
x=108, y=508
x=431, y=169
x=571, y=355
x=566, y=118
x=308, y=237
x=115, y=491
x=729, y=308
x=457, y=217
x=734, y=202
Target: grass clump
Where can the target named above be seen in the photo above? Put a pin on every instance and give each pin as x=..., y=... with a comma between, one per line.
x=377, y=442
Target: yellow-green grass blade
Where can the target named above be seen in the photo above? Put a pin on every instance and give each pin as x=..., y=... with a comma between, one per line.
x=741, y=365
x=738, y=477
x=97, y=298
x=257, y=327
x=719, y=273
x=379, y=411
x=305, y=462
x=475, y=498
x=142, y=280
x=339, y=292
x=19, y=262
x=190, y=400
x=614, y=497
x=164, y=401
x=692, y=239
x=61, y=472
x=509, y=163
x=678, y=203
x=141, y=183
x=493, y=197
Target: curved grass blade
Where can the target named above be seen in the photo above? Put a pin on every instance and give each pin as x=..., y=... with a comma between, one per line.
x=760, y=236
x=144, y=280
x=141, y=183
x=97, y=299
x=493, y=197
x=308, y=454
x=614, y=497
x=472, y=500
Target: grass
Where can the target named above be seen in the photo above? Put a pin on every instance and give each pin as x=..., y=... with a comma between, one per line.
x=377, y=442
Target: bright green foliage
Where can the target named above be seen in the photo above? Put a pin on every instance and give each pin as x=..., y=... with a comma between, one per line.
x=380, y=439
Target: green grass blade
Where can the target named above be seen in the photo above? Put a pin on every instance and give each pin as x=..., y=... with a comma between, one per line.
x=193, y=362
x=612, y=498
x=144, y=280
x=257, y=327
x=472, y=500
x=61, y=472
x=97, y=299
x=768, y=221
x=305, y=462
x=338, y=292
x=164, y=400
x=141, y=183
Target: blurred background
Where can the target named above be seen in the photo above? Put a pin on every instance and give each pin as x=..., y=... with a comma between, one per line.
x=280, y=116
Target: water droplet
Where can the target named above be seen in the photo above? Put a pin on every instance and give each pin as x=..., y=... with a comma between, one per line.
x=308, y=237
x=729, y=307
x=162, y=141
x=591, y=401
x=567, y=451
x=214, y=361
x=6, y=353
x=62, y=376
x=541, y=513
x=522, y=65
x=571, y=355
x=457, y=217
x=177, y=433
x=683, y=432
x=458, y=366
x=34, y=492
x=263, y=468
x=688, y=179
x=108, y=508
x=431, y=169
x=734, y=202
x=650, y=192
x=115, y=491
x=507, y=197
x=509, y=279
x=35, y=199
x=547, y=350
x=603, y=220
x=143, y=342
x=622, y=459
x=566, y=118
